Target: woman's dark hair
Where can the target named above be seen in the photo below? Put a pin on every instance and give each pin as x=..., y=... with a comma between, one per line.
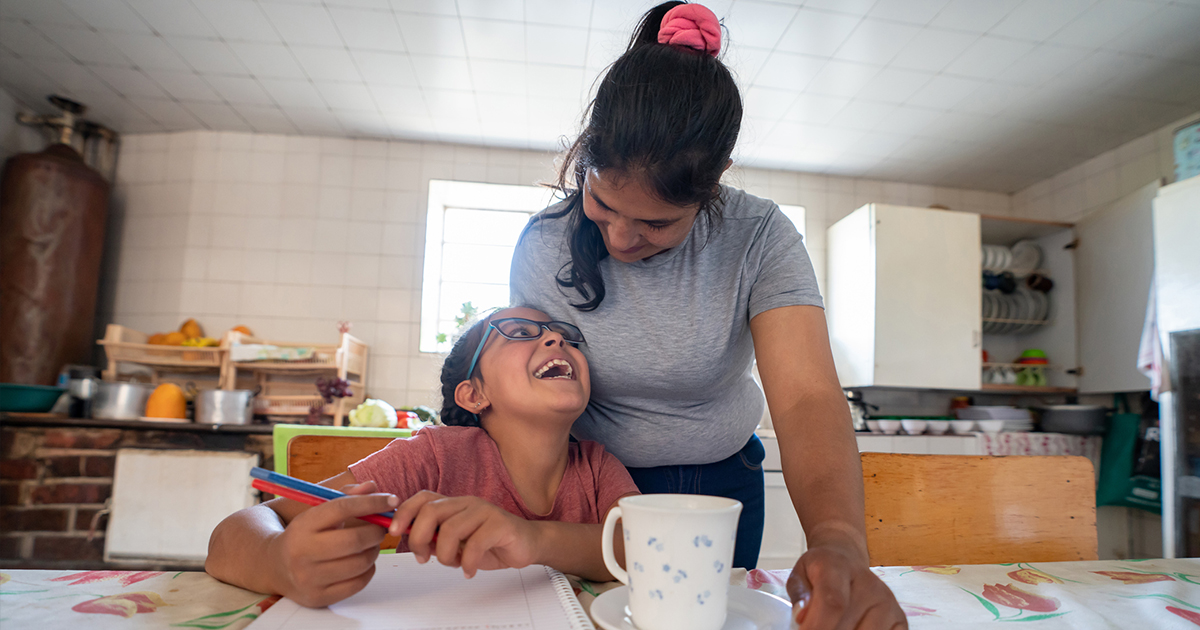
x=454, y=371
x=666, y=115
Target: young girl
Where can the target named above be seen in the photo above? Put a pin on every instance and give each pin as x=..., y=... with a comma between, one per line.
x=502, y=486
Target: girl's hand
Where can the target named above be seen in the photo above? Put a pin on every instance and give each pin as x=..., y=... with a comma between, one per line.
x=830, y=589
x=471, y=533
x=326, y=554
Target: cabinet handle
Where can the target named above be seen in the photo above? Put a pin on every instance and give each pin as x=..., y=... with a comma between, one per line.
x=976, y=338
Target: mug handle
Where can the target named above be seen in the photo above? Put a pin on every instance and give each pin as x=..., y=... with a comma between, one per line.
x=606, y=546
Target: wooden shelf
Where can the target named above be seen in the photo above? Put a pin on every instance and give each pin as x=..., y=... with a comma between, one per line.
x=1026, y=389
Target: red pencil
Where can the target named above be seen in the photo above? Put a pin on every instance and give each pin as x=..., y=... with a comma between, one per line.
x=296, y=495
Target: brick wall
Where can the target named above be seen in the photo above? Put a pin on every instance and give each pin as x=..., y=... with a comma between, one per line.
x=54, y=481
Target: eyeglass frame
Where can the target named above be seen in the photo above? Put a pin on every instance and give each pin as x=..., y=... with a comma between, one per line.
x=542, y=326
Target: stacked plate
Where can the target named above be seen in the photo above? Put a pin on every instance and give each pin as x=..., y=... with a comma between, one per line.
x=995, y=258
x=1015, y=419
x=1022, y=259
x=1015, y=313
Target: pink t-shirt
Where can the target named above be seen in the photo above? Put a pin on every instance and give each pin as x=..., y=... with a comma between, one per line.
x=464, y=461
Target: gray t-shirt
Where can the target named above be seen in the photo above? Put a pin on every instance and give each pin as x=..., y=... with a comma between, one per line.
x=669, y=348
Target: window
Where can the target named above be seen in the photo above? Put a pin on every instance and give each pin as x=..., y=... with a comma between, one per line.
x=471, y=231
x=796, y=214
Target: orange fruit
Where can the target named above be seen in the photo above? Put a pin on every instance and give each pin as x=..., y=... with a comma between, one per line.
x=166, y=401
x=191, y=329
x=157, y=339
x=174, y=339
x=243, y=330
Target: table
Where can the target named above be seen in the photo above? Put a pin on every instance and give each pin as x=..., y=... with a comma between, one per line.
x=1102, y=594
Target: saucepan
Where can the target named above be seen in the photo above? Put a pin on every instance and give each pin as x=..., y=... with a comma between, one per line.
x=225, y=406
x=119, y=401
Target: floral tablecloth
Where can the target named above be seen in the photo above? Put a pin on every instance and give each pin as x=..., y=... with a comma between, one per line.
x=1093, y=595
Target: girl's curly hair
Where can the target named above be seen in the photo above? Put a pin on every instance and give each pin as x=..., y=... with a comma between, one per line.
x=454, y=371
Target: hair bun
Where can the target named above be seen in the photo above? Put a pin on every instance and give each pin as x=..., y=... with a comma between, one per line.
x=691, y=25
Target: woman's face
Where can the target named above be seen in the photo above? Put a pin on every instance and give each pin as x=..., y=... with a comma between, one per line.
x=525, y=378
x=634, y=222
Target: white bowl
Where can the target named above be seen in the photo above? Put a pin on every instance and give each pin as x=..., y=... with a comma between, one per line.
x=962, y=427
x=913, y=426
x=981, y=412
x=990, y=426
x=938, y=427
x=873, y=426
x=890, y=427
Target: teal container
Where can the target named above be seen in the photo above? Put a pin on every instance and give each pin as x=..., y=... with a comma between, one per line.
x=28, y=398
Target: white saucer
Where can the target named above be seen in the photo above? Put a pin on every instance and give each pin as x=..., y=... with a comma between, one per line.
x=748, y=610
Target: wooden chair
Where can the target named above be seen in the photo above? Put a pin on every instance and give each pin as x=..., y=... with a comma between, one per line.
x=318, y=453
x=951, y=509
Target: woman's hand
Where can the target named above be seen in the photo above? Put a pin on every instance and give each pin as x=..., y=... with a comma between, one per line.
x=471, y=533
x=831, y=588
x=326, y=553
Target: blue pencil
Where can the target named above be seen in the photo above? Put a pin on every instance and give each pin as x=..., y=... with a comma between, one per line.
x=303, y=486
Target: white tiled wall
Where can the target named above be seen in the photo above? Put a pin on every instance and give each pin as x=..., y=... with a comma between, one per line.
x=1075, y=192
x=288, y=235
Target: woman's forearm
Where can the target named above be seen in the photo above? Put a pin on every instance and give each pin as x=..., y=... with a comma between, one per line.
x=823, y=471
x=238, y=549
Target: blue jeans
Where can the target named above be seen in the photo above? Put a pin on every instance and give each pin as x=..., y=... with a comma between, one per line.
x=739, y=476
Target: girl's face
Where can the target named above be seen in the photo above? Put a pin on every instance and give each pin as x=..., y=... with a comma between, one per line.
x=634, y=222
x=525, y=378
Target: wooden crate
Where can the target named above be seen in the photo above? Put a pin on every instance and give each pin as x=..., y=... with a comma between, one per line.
x=288, y=387
x=127, y=346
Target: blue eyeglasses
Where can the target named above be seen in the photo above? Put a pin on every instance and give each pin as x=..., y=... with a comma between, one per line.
x=521, y=329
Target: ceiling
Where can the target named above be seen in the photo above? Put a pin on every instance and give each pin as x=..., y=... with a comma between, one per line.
x=984, y=94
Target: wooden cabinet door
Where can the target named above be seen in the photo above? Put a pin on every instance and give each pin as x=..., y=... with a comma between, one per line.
x=927, y=298
x=1114, y=262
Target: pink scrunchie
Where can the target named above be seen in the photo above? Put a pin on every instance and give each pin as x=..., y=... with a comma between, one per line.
x=691, y=25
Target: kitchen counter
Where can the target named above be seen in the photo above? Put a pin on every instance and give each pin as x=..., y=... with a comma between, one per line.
x=57, y=420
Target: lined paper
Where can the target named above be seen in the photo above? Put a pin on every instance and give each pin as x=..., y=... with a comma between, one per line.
x=405, y=595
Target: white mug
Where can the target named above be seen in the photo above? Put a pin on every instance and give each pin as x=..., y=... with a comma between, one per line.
x=678, y=552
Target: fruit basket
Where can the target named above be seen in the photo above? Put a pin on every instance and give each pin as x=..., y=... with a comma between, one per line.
x=126, y=345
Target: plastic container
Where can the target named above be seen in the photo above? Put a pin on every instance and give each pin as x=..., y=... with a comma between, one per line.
x=28, y=398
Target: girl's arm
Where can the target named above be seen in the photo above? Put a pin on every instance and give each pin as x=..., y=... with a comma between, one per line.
x=314, y=555
x=476, y=535
x=822, y=469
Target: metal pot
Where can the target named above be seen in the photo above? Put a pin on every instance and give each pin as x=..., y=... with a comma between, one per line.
x=224, y=406
x=1077, y=419
x=119, y=401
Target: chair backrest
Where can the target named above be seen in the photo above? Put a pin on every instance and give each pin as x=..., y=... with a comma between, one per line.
x=318, y=457
x=952, y=509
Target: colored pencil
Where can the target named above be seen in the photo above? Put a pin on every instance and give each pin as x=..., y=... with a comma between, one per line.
x=304, y=497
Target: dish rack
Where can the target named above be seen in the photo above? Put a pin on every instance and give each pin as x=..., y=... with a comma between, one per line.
x=286, y=388
x=177, y=364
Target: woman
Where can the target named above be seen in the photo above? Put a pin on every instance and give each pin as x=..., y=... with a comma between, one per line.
x=687, y=282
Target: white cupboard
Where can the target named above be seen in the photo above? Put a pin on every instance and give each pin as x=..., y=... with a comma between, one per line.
x=898, y=287
x=903, y=298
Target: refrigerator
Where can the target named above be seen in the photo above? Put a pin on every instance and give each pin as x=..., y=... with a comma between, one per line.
x=1177, y=282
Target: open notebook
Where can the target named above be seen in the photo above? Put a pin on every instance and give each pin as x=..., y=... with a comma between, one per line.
x=405, y=595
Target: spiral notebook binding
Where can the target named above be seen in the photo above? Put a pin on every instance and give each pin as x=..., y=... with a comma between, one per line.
x=575, y=614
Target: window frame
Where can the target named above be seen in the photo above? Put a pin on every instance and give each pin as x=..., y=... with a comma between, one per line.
x=449, y=194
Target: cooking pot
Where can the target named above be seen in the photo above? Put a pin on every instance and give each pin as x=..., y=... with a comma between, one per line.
x=224, y=406
x=1077, y=419
x=119, y=401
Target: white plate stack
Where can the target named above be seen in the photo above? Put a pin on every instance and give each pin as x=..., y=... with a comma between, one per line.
x=1015, y=419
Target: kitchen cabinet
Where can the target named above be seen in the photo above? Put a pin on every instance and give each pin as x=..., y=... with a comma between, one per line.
x=904, y=297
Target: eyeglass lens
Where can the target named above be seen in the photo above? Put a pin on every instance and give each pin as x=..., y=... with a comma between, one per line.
x=528, y=329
